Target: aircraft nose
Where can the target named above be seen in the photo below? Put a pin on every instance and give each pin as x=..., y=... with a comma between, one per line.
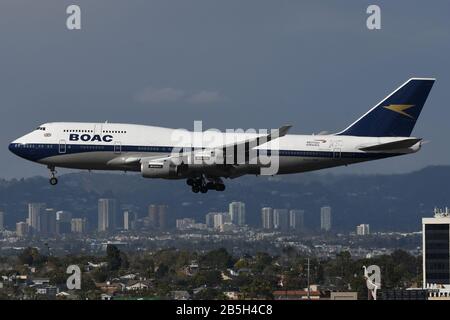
x=12, y=147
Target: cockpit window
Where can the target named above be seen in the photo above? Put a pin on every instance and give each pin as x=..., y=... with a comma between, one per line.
x=40, y=128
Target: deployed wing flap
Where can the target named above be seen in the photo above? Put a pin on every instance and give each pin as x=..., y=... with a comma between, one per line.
x=402, y=144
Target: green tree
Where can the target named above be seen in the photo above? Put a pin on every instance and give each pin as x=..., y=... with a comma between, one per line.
x=258, y=288
x=116, y=259
x=58, y=277
x=87, y=283
x=218, y=259
x=31, y=256
x=100, y=274
x=241, y=263
x=162, y=271
x=208, y=277
x=209, y=294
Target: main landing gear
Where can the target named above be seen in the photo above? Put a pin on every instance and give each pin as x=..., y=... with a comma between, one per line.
x=53, y=180
x=203, y=184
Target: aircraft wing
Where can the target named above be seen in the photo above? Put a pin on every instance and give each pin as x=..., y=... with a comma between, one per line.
x=254, y=142
x=131, y=161
x=134, y=160
x=232, y=148
x=401, y=144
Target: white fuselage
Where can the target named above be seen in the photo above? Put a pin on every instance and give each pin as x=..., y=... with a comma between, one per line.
x=108, y=146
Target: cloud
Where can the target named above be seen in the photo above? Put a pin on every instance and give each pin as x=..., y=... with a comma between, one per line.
x=151, y=95
x=205, y=97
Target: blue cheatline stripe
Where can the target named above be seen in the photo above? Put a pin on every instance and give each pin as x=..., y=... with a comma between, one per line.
x=36, y=152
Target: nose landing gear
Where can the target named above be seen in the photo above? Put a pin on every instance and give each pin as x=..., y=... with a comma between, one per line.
x=53, y=180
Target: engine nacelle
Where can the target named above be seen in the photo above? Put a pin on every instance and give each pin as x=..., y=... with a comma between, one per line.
x=160, y=169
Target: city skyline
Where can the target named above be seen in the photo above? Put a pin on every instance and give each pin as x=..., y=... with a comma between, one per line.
x=45, y=221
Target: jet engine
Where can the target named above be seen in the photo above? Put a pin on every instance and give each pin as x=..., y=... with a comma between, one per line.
x=160, y=169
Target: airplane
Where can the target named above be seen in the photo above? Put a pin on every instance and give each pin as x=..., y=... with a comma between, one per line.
x=382, y=132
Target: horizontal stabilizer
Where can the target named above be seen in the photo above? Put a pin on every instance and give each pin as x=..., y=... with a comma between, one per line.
x=402, y=144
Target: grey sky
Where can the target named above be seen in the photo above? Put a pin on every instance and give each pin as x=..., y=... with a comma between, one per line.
x=232, y=64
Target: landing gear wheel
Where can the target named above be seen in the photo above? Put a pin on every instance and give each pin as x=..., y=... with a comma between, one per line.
x=190, y=182
x=195, y=189
x=204, y=189
x=53, y=180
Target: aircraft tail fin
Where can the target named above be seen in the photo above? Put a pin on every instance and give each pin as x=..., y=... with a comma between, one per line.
x=396, y=115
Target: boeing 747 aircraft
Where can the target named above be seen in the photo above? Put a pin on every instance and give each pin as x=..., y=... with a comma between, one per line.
x=384, y=131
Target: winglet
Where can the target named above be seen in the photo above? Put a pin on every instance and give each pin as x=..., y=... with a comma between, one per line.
x=280, y=132
x=284, y=130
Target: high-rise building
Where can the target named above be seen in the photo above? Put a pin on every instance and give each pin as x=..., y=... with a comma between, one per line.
x=34, y=212
x=2, y=220
x=297, y=219
x=163, y=212
x=325, y=218
x=21, y=229
x=219, y=219
x=226, y=217
x=237, y=213
x=209, y=219
x=106, y=214
x=78, y=225
x=63, y=222
x=153, y=216
x=267, y=218
x=63, y=215
x=47, y=222
x=158, y=216
x=362, y=230
x=281, y=219
x=129, y=219
x=436, y=249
